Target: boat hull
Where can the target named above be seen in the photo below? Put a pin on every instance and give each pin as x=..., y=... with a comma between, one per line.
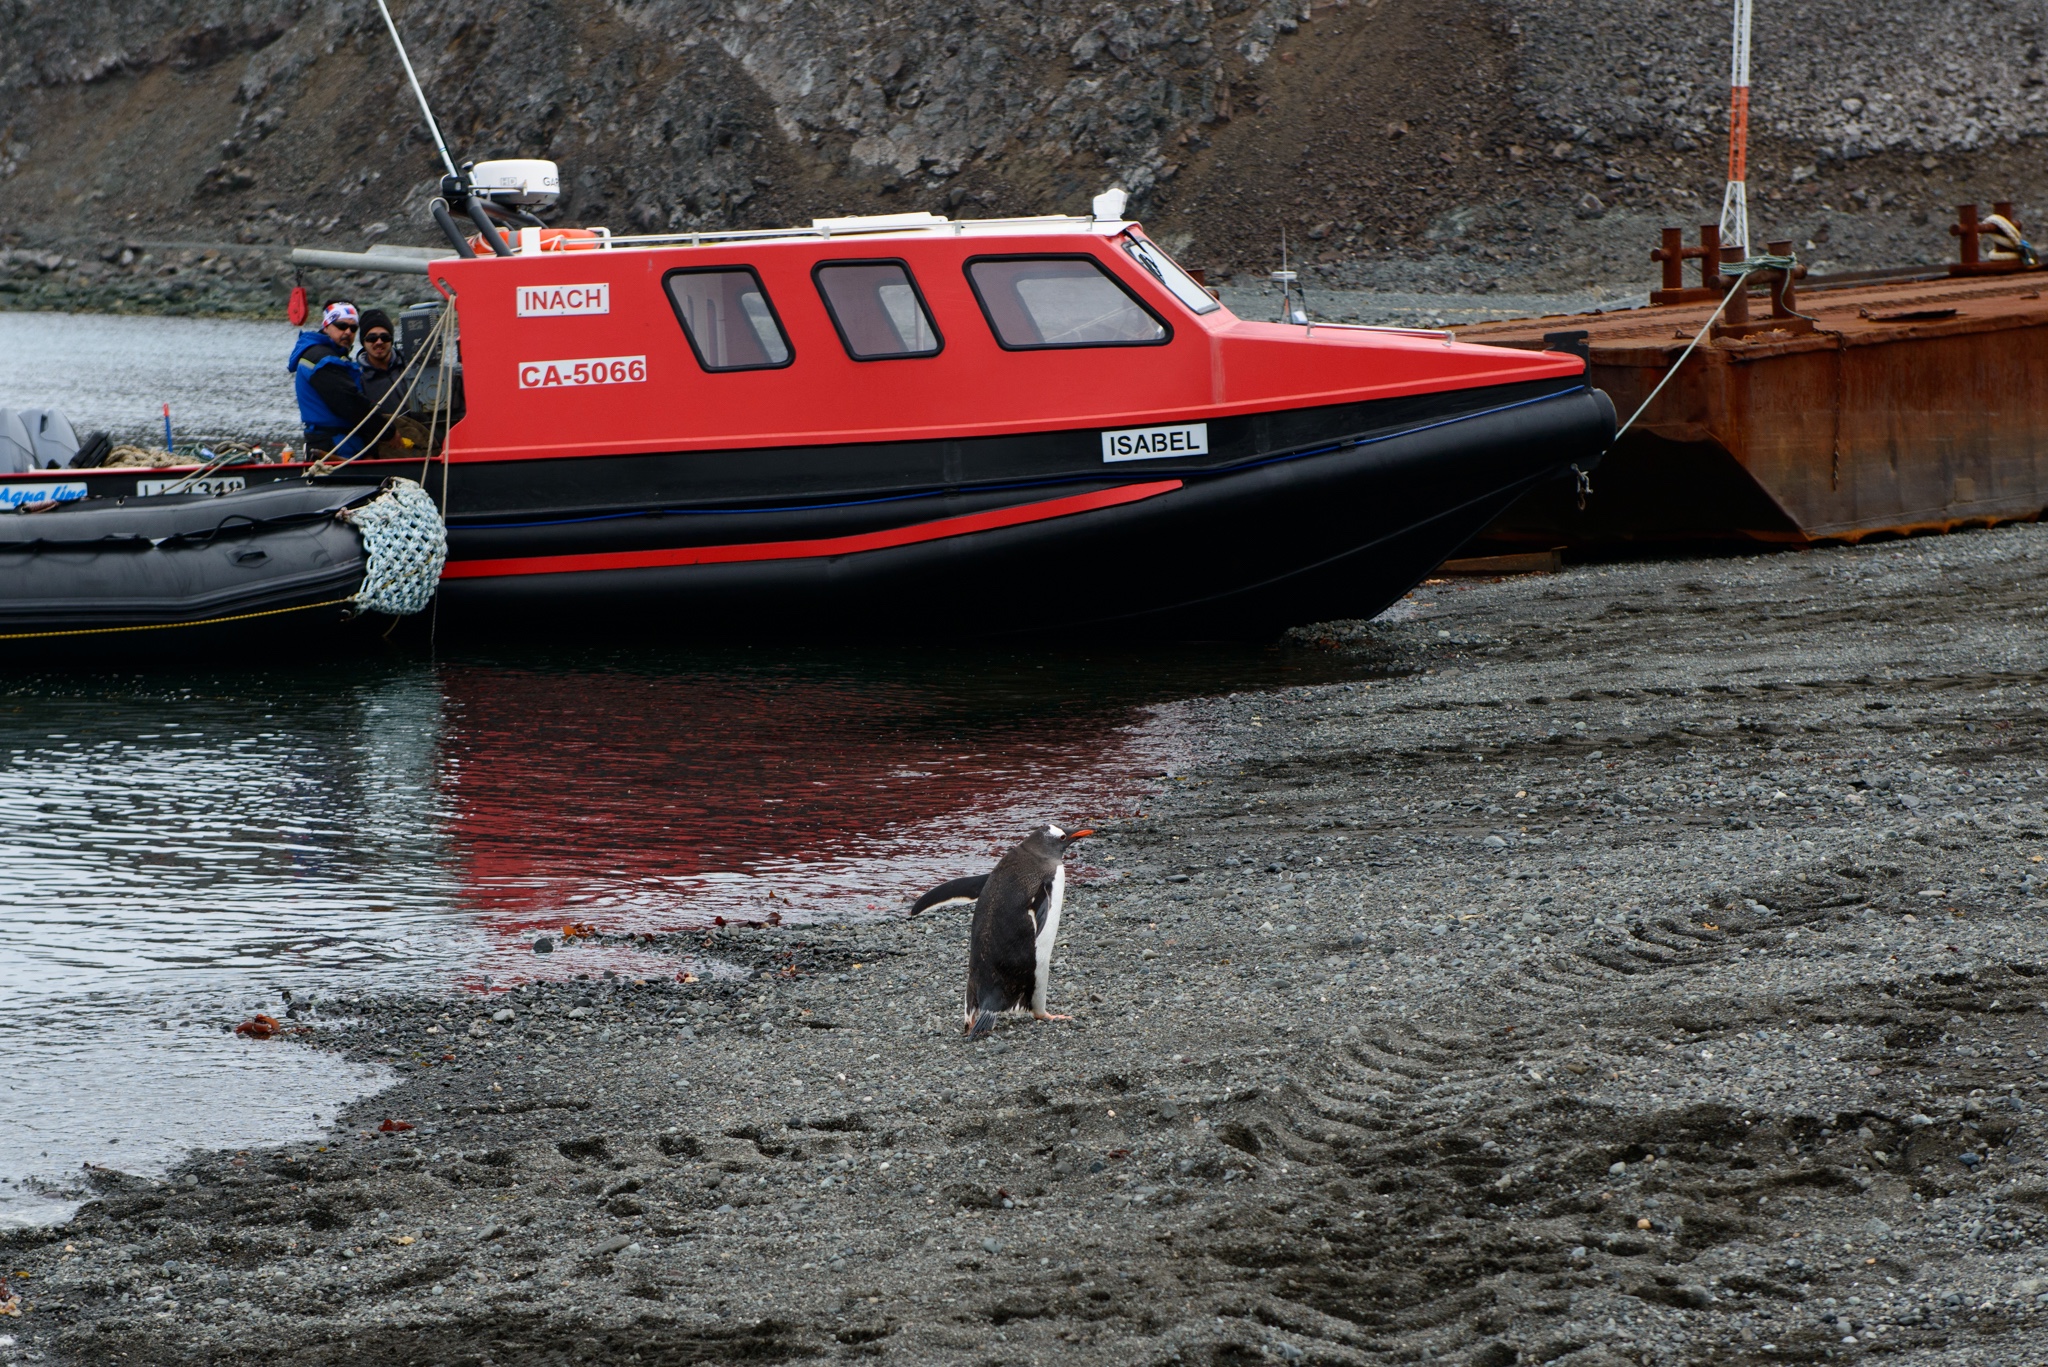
x=1289, y=517
x=179, y=575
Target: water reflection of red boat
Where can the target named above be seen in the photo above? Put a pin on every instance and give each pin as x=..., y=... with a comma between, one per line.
x=643, y=800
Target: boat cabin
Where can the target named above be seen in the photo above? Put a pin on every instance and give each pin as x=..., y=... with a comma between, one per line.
x=898, y=328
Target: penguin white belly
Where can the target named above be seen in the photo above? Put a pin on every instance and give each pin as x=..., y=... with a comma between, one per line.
x=1048, y=932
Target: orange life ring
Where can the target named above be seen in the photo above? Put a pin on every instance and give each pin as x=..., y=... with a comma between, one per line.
x=568, y=240
x=551, y=240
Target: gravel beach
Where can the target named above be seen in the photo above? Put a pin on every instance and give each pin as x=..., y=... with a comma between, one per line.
x=1643, y=965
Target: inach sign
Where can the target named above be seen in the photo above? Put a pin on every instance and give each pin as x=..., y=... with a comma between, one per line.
x=1156, y=443
x=596, y=370
x=560, y=301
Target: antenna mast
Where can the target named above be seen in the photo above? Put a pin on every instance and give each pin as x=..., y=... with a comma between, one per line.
x=1735, y=201
x=441, y=144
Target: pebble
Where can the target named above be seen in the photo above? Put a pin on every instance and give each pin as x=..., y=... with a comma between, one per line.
x=544, y=945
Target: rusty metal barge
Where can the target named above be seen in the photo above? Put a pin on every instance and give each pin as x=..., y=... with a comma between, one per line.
x=1887, y=402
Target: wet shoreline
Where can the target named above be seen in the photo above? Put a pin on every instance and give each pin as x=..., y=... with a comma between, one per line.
x=1647, y=968
x=183, y=855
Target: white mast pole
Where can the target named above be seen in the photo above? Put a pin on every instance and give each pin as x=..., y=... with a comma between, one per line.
x=1735, y=201
x=432, y=127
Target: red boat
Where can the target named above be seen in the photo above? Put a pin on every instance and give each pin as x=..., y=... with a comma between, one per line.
x=949, y=427
x=965, y=427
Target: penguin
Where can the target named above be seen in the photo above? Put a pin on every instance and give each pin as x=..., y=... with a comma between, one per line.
x=1016, y=920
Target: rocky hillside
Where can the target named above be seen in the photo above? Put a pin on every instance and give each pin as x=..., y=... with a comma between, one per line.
x=1522, y=142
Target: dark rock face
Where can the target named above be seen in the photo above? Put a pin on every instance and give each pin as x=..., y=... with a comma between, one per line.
x=666, y=115
x=1372, y=132
x=1841, y=79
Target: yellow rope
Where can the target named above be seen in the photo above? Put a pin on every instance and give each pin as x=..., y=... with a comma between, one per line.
x=165, y=626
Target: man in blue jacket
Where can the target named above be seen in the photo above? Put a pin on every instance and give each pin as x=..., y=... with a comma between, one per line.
x=331, y=402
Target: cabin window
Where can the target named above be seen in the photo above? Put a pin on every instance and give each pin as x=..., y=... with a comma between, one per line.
x=1167, y=272
x=1060, y=301
x=727, y=317
x=877, y=309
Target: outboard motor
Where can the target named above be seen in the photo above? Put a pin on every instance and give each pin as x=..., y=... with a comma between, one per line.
x=50, y=434
x=17, y=449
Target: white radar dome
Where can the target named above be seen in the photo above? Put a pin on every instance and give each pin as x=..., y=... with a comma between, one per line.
x=522, y=183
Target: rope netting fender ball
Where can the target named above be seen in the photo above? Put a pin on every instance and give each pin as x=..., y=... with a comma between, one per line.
x=407, y=546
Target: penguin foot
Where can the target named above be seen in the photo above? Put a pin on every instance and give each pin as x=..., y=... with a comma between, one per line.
x=1048, y=1016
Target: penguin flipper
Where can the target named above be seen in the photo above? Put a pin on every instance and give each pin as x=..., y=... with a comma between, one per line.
x=1040, y=905
x=959, y=890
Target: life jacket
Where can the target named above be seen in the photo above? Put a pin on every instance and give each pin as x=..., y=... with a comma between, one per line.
x=313, y=410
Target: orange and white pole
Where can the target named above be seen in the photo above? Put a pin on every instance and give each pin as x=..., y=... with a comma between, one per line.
x=1735, y=202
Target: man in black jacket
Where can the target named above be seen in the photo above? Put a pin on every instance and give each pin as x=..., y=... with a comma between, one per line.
x=378, y=362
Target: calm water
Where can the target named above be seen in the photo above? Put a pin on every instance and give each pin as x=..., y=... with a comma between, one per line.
x=181, y=850
x=221, y=378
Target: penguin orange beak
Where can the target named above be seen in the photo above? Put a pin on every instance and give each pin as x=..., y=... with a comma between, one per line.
x=1079, y=835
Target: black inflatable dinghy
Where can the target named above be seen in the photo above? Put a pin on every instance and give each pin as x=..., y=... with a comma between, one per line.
x=177, y=572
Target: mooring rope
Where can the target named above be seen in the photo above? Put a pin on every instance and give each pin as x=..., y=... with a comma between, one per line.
x=166, y=626
x=1744, y=268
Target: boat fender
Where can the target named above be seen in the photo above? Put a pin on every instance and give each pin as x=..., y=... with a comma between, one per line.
x=406, y=544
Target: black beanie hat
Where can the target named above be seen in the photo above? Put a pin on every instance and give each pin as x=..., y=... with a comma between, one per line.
x=376, y=318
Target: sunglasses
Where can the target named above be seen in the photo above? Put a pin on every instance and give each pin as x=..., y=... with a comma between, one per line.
x=376, y=337
x=345, y=327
